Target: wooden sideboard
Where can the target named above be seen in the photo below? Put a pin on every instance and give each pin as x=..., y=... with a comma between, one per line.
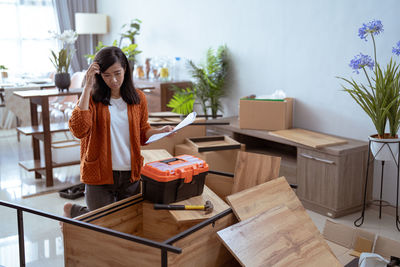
x=330, y=179
x=158, y=93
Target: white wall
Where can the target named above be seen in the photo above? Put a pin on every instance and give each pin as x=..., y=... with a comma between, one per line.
x=296, y=46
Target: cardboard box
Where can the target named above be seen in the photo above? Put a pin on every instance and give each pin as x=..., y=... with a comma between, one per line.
x=344, y=240
x=268, y=115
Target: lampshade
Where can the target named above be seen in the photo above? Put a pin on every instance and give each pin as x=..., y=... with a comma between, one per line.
x=90, y=23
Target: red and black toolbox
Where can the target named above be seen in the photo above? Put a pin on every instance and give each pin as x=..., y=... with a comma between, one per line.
x=173, y=179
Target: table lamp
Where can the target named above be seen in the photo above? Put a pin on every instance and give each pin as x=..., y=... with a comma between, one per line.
x=91, y=23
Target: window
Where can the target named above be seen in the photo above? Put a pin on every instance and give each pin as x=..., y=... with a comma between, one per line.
x=25, y=42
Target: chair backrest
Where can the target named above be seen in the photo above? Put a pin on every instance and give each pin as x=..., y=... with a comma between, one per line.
x=254, y=169
x=77, y=79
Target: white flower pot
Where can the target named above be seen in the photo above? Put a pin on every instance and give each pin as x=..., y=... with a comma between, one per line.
x=384, y=149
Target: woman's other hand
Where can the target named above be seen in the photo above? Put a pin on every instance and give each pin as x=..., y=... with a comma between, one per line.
x=166, y=129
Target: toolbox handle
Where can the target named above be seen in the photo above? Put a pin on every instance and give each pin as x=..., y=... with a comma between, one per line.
x=169, y=160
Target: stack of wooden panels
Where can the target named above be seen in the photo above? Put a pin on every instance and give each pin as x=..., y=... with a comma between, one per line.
x=274, y=229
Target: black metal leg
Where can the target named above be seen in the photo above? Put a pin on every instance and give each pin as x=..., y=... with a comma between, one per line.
x=164, y=258
x=21, y=242
x=357, y=222
x=397, y=197
x=380, y=196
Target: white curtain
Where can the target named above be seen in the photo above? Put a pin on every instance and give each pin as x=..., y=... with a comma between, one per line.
x=66, y=10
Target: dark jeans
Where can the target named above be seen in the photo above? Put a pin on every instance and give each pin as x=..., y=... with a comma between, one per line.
x=98, y=196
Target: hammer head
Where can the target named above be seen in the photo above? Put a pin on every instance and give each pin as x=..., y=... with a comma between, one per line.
x=208, y=207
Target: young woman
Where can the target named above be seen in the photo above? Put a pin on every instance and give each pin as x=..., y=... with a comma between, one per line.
x=111, y=121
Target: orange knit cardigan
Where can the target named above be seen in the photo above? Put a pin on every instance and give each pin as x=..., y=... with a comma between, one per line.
x=93, y=128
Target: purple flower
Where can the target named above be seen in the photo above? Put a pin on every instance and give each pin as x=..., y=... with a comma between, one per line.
x=360, y=61
x=396, y=49
x=373, y=27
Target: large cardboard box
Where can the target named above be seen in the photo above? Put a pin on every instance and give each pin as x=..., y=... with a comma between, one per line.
x=343, y=240
x=260, y=114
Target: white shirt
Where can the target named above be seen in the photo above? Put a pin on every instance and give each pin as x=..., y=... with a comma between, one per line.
x=119, y=128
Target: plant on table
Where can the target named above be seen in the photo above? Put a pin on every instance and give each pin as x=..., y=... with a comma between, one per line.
x=62, y=59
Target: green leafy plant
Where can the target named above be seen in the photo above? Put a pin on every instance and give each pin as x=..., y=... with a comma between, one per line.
x=131, y=30
x=208, y=87
x=129, y=50
x=210, y=79
x=182, y=101
x=2, y=67
x=380, y=97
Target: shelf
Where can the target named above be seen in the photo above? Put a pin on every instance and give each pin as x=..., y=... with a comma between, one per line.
x=54, y=127
x=37, y=165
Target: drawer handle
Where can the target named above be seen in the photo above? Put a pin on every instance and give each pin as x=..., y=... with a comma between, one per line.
x=317, y=159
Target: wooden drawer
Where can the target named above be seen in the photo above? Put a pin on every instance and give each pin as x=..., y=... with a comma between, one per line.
x=317, y=177
x=153, y=97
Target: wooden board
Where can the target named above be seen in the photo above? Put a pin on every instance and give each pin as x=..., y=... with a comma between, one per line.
x=154, y=155
x=253, y=169
x=275, y=238
x=272, y=194
x=212, y=143
x=199, y=215
x=203, y=248
x=308, y=138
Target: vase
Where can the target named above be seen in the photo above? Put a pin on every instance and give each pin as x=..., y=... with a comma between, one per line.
x=385, y=149
x=62, y=81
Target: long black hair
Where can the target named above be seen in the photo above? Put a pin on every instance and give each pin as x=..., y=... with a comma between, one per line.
x=107, y=57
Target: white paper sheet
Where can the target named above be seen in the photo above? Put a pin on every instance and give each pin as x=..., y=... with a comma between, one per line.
x=188, y=120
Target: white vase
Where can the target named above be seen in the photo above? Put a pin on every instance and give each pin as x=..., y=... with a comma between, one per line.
x=384, y=149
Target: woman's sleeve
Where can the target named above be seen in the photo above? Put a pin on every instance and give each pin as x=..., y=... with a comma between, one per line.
x=80, y=122
x=144, y=124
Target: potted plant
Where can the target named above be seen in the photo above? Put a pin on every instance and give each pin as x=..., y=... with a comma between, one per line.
x=130, y=50
x=4, y=74
x=62, y=59
x=208, y=87
x=380, y=97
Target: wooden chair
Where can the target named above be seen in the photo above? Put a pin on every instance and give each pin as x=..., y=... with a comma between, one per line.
x=251, y=169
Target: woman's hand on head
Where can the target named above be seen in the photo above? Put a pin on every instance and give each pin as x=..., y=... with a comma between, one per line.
x=93, y=69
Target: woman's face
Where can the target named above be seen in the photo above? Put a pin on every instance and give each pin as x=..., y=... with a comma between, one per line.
x=114, y=76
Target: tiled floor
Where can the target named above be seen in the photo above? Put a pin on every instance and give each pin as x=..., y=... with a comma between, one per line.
x=43, y=239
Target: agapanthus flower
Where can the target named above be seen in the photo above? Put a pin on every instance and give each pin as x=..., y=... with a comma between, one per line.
x=360, y=61
x=373, y=27
x=396, y=49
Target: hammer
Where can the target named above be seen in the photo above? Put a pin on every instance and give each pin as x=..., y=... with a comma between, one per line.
x=208, y=207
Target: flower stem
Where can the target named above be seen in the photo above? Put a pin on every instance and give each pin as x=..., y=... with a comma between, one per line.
x=373, y=40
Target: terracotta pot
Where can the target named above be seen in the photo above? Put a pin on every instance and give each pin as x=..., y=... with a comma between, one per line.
x=385, y=149
x=62, y=81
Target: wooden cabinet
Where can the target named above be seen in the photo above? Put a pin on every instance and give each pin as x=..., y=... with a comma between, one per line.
x=332, y=185
x=158, y=93
x=330, y=179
